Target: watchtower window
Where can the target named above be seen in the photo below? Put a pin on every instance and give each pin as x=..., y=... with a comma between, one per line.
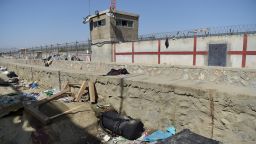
x=124, y=23
x=99, y=23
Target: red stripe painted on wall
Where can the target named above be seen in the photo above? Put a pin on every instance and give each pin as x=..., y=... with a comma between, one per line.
x=159, y=50
x=194, y=50
x=132, y=52
x=244, y=50
x=184, y=53
x=114, y=52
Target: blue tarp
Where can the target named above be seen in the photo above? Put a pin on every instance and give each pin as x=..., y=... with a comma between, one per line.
x=160, y=135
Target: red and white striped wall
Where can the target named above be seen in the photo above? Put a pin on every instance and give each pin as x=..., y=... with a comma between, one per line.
x=188, y=51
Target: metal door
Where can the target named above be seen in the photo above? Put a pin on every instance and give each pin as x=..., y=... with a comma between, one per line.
x=217, y=55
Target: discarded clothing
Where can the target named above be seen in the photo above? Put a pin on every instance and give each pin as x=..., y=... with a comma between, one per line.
x=188, y=137
x=122, y=71
x=11, y=74
x=33, y=85
x=160, y=135
x=166, y=43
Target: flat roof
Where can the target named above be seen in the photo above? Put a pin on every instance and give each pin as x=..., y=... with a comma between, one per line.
x=118, y=12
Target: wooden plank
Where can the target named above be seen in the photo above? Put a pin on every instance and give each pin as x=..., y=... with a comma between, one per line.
x=81, y=91
x=65, y=112
x=92, y=92
x=37, y=114
x=65, y=85
x=55, y=96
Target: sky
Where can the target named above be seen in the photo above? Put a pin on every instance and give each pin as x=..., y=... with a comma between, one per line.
x=30, y=23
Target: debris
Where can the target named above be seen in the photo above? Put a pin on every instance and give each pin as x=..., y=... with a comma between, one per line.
x=3, y=68
x=30, y=96
x=33, y=85
x=11, y=74
x=127, y=127
x=160, y=135
x=50, y=92
x=33, y=108
x=13, y=80
x=188, y=137
x=121, y=71
x=66, y=99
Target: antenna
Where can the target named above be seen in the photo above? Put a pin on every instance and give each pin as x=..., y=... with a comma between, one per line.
x=113, y=5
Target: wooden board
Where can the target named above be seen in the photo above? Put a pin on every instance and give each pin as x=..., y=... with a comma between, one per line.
x=92, y=92
x=81, y=91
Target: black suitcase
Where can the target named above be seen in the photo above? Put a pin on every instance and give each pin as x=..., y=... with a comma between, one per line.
x=116, y=124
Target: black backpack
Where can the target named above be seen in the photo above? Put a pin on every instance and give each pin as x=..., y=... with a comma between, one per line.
x=115, y=124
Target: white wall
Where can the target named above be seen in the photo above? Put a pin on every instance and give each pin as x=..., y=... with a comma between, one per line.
x=234, y=43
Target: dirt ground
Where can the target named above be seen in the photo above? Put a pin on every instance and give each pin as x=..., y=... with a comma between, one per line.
x=19, y=127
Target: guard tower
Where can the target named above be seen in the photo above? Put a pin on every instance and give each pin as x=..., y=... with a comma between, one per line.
x=108, y=27
x=113, y=26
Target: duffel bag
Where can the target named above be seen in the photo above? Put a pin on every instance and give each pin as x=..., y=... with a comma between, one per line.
x=124, y=126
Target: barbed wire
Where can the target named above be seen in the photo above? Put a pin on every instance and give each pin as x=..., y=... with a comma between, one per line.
x=60, y=47
x=202, y=32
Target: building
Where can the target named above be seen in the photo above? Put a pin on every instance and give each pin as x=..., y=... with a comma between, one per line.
x=107, y=26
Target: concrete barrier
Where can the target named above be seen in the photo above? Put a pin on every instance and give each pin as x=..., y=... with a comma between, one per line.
x=244, y=77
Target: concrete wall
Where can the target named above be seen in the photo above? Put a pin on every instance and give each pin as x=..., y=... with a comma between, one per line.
x=216, y=111
x=102, y=53
x=234, y=43
x=220, y=75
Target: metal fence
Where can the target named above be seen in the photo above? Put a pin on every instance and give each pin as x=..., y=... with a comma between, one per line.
x=78, y=48
x=202, y=32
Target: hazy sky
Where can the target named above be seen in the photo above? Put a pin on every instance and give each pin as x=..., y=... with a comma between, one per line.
x=28, y=23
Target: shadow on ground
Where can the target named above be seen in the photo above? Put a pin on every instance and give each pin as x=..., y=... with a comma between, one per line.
x=20, y=127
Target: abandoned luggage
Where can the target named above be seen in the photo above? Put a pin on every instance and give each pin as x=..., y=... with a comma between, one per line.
x=124, y=126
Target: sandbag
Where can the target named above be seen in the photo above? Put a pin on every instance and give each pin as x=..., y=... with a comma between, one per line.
x=124, y=126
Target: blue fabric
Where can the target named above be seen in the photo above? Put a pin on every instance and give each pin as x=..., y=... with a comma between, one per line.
x=160, y=135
